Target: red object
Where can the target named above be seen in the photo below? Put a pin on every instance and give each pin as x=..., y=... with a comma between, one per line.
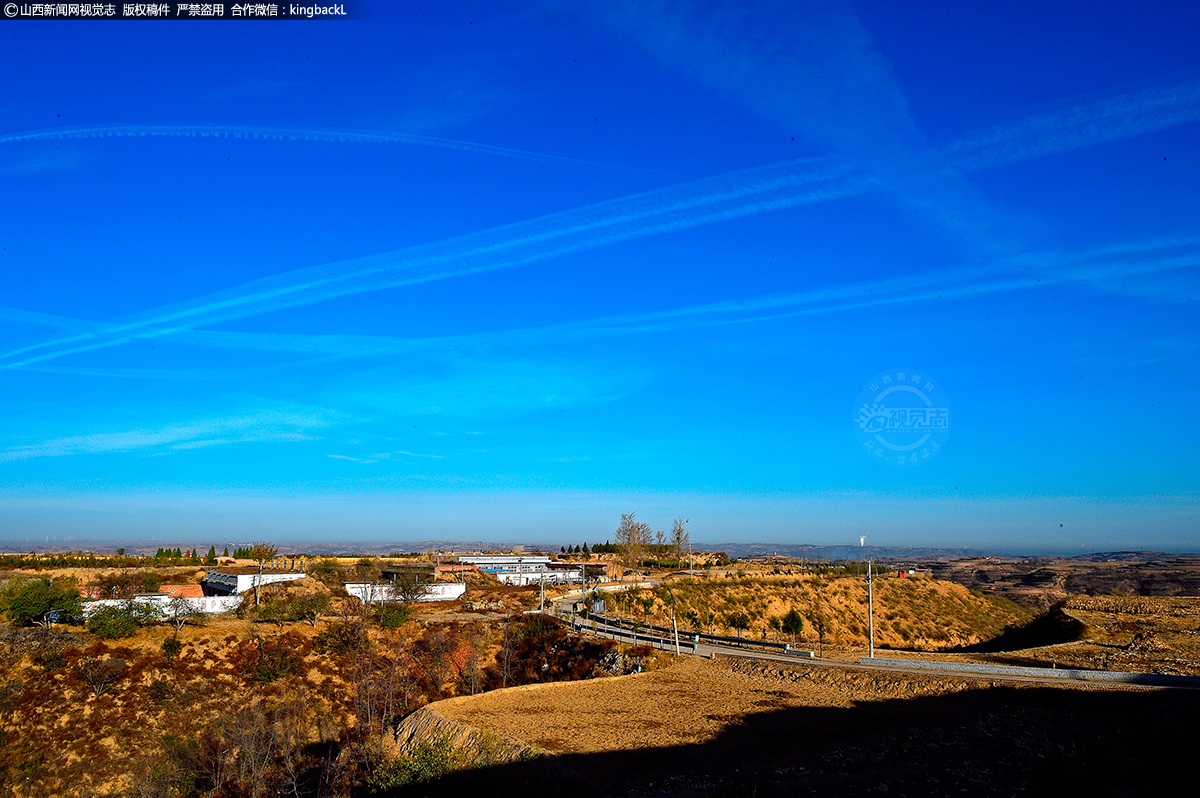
x=182, y=591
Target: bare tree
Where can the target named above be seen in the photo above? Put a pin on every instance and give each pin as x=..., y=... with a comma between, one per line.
x=506, y=657
x=679, y=537
x=378, y=682
x=99, y=674
x=261, y=552
x=470, y=674
x=433, y=654
x=632, y=538
x=180, y=612
x=409, y=586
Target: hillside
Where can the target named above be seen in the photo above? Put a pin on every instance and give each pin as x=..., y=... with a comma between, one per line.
x=912, y=613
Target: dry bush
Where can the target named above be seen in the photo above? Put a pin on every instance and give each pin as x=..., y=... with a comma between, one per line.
x=262, y=660
x=270, y=746
x=539, y=649
x=99, y=674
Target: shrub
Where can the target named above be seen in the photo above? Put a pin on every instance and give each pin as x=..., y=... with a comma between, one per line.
x=265, y=661
x=159, y=691
x=111, y=623
x=329, y=571
x=310, y=608
x=49, y=660
x=99, y=674
x=342, y=637
x=37, y=601
x=171, y=648
x=273, y=611
x=428, y=760
x=391, y=615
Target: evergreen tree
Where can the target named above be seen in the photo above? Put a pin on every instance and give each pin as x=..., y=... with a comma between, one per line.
x=177, y=553
x=585, y=550
x=212, y=555
x=226, y=554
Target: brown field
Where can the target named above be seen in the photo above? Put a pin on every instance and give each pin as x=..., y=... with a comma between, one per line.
x=1115, y=633
x=737, y=728
x=1041, y=581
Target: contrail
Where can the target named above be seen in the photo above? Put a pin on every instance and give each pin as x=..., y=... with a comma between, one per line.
x=728, y=196
x=679, y=207
x=1084, y=123
x=278, y=133
x=1023, y=272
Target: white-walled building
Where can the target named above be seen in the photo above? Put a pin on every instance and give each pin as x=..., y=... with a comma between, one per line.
x=233, y=581
x=434, y=591
x=525, y=569
x=161, y=602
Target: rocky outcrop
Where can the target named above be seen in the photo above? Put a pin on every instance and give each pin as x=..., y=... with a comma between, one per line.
x=475, y=747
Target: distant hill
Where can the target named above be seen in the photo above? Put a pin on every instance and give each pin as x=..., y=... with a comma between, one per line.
x=820, y=553
x=734, y=550
x=1124, y=556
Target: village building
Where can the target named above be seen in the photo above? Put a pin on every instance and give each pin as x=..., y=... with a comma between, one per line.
x=525, y=569
x=232, y=581
x=382, y=593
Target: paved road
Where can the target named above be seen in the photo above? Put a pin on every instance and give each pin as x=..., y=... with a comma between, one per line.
x=931, y=668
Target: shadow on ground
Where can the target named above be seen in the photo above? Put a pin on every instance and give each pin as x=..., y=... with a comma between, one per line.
x=988, y=741
x=1052, y=627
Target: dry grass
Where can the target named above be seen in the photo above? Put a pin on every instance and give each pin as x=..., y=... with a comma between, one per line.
x=62, y=739
x=1139, y=634
x=911, y=613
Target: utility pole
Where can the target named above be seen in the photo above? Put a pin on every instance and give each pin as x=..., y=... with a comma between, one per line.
x=870, y=611
x=582, y=592
x=674, y=625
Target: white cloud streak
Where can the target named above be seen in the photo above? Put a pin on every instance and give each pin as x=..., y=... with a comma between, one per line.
x=1097, y=269
x=728, y=196
x=271, y=425
x=276, y=133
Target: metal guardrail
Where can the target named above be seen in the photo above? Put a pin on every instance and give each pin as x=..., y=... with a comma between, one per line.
x=655, y=641
x=1081, y=674
x=701, y=637
x=625, y=629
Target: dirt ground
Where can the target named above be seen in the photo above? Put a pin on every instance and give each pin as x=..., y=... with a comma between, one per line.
x=1043, y=581
x=739, y=728
x=692, y=701
x=1140, y=634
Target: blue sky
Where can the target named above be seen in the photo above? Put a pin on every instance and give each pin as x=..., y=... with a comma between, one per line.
x=482, y=272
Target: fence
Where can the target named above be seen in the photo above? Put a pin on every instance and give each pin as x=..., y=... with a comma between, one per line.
x=686, y=645
x=699, y=637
